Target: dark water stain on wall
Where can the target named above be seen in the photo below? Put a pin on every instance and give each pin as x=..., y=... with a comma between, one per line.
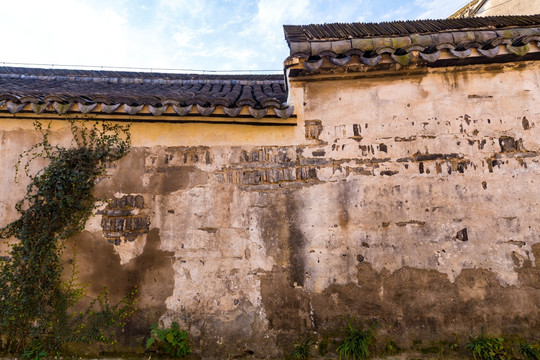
x=295, y=242
x=343, y=197
x=285, y=303
x=287, y=307
x=173, y=178
x=127, y=175
x=151, y=272
x=278, y=220
x=414, y=304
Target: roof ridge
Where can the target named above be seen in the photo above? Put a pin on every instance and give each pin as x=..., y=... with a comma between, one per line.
x=127, y=77
x=536, y=16
x=126, y=80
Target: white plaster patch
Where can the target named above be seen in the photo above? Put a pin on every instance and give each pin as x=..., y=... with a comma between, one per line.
x=94, y=222
x=129, y=250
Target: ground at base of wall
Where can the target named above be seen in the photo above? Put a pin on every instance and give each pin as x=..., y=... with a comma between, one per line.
x=402, y=356
x=411, y=355
x=419, y=356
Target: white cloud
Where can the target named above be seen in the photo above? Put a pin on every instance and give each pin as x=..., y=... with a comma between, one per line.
x=182, y=8
x=272, y=15
x=437, y=9
x=401, y=13
x=64, y=32
x=182, y=39
x=187, y=34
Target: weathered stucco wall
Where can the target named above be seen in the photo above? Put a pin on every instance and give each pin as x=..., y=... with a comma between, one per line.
x=513, y=7
x=410, y=199
x=430, y=188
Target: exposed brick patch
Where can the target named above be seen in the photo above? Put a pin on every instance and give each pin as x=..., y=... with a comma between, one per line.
x=271, y=176
x=122, y=219
x=272, y=154
x=313, y=129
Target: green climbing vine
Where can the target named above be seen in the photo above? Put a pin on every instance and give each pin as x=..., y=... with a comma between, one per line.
x=35, y=300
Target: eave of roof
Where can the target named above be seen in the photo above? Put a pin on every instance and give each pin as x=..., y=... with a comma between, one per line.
x=91, y=92
x=403, y=42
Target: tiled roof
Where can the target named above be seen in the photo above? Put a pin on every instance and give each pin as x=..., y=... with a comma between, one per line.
x=399, y=39
x=339, y=31
x=113, y=92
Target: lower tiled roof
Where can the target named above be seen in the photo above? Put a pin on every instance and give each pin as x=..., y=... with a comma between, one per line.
x=113, y=92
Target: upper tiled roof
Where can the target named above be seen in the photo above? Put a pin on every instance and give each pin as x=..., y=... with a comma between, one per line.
x=401, y=40
x=300, y=33
x=90, y=91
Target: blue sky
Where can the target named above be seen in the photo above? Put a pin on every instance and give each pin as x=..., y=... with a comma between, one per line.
x=186, y=35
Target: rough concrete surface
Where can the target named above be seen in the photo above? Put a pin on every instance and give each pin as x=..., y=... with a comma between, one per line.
x=408, y=199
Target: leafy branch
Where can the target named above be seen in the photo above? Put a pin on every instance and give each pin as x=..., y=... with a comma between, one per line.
x=34, y=300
